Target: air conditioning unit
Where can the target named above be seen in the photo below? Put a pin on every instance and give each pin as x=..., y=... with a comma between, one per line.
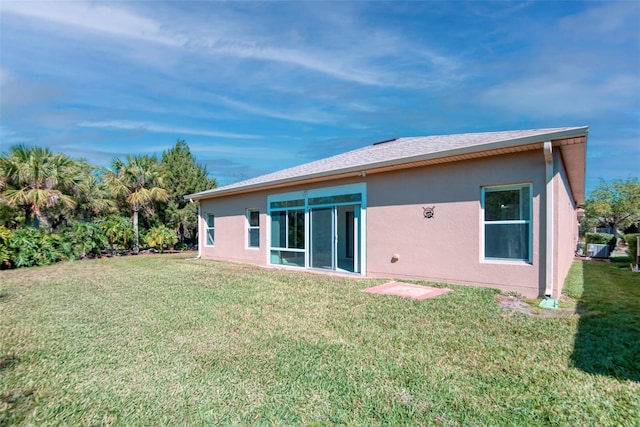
x=597, y=251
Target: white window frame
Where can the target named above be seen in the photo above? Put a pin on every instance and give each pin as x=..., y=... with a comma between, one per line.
x=528, y=222
x=252, y=227
x=208, y=228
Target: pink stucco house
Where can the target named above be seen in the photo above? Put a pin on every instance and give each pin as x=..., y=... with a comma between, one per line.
x=493, y=209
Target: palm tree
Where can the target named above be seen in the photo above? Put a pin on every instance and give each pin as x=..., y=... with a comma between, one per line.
x=137, y=182
x=93, y=195
x=32, y=179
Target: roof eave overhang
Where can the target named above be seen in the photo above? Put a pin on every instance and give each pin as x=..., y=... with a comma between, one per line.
x=464, y=153
x=574, y=156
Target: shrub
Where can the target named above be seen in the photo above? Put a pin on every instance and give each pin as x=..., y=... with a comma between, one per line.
x=601, y=239
x=86, y=238
x=6, y=253
x=160, y=237
x=31, y=247
x=631, y=240
x=118, y=231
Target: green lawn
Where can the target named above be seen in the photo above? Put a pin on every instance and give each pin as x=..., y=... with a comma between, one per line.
x=164, y=340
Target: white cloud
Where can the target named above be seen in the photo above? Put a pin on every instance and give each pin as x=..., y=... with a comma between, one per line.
x=496, y=10
x=9, y=137
x=305, y=116
x=6, y=76
x=152, y=127
x=351, y=58
x=553, y=95
x=18, y=93
x=94, y=17
x=243, y=151
x=579, y=67
x=604, y=19
x=335, y=66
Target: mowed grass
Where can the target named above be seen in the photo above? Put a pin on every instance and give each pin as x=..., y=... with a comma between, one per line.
x=164, y=340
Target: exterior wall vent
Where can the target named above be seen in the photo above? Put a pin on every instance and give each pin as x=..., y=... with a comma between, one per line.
x=385, y=141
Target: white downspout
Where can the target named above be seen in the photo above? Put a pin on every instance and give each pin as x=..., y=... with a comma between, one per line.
x=199, y=232
x=548, y=158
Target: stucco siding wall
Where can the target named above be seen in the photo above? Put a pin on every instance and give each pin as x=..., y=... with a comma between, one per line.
x=445, y=248
x=566, y=225
x=231, y=223
x=448, y=246
x=231, y=228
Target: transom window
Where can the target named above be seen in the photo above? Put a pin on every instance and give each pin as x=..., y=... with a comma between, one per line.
x=507, y=222
x=253, y=228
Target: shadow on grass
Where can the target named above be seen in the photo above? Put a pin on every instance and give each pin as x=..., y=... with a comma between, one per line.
x=607, y=341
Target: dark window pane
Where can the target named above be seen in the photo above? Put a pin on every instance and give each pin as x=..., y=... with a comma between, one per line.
x=296, y=229
x=507, y=241
x=344, y=198
x=287, y=204
x=254, y=238
x=254, y=218
x=279, y=229
x=526, y=203
x=502, y=205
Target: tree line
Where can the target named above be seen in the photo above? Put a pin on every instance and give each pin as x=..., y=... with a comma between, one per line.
x=54, y=207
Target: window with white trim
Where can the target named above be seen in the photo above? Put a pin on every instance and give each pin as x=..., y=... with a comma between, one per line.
x=210, y=235
x=507, y=222
x=253, y=228
x=288, y=235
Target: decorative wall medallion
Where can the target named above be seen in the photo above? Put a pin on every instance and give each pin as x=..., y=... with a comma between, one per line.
x=428, y=212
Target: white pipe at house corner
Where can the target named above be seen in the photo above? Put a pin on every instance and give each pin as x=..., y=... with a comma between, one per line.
x=198, y=230
x=548, y=159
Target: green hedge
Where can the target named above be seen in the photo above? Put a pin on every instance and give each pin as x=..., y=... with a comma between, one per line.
x=631, y=240
x=29, y=247
x=601, y=239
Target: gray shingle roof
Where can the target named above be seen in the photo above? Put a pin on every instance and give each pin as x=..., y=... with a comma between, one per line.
x=399, y=151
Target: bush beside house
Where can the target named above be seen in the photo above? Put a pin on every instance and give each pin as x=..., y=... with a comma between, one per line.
x=601, y=239
x=632, y=245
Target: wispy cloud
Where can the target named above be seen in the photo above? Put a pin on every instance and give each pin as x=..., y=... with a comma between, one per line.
x=101, y=18
x=247, y=151
x=555, y=95
x=308, y=116
x=18, y=93
x=257, y=86
x=156, y=128
x=579, y=67
x=496, y=9
x=355, y=59
x=9, y=138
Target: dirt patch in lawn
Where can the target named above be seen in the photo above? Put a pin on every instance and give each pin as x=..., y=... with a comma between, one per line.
x=519, y=304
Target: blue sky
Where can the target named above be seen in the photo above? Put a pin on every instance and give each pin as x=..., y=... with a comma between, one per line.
x=255, y=87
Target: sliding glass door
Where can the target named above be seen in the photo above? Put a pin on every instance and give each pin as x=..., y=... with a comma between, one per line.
x=323, y=238
x=333, y=237
x=321, y=228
